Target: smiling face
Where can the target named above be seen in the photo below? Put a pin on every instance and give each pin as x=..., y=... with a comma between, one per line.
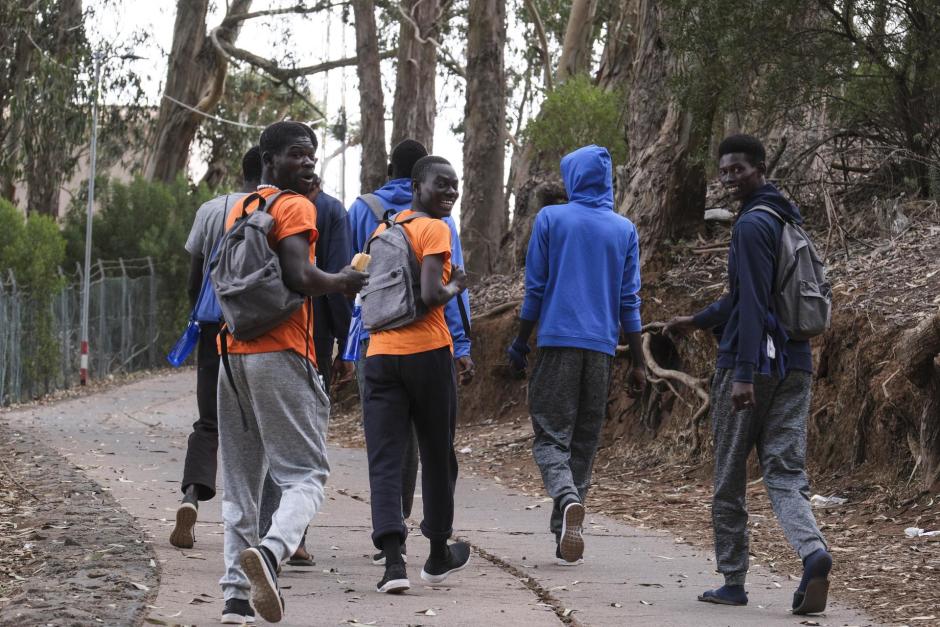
x=436, y=192
x=292, y=167
x=739, y=176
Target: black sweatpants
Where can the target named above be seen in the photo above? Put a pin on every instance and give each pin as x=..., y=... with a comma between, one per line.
x=202, y=449
x=402, y=391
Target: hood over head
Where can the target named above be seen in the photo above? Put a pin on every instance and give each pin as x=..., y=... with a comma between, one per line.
x=587, y=173
x=769, y=195
x=395, y=191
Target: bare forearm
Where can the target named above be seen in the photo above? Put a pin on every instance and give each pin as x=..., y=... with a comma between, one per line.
x=438, y=295
x=311, y=281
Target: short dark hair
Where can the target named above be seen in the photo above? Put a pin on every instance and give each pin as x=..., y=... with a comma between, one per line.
x=279, y=135
x=405, y=156
x=424, y=164
x=749, y=145
x=251, y=165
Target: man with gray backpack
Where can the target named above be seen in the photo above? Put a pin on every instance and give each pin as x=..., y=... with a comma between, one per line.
x=273, y=409
x=777, y=299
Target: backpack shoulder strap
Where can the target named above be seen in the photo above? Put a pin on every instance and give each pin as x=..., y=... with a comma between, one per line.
x=375, y=204
x=769, y=210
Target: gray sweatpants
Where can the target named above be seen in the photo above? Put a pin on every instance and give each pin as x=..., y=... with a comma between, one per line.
x=287, y=423
x=777, y=427
x=567, y=402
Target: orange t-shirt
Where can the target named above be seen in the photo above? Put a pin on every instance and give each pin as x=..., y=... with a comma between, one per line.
x=428, y=236
x=292, y=214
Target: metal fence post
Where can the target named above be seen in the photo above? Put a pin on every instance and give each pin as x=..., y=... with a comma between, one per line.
x=152, y=321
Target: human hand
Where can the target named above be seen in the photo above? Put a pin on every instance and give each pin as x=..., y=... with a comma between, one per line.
x=352, y=281
x=742, y=395
x=465, y=369
x=517, y=352
x=458, y=279
x=679, y=324
x=343, y=372
x=636, y=382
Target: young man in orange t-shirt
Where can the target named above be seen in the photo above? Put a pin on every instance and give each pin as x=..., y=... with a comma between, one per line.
x=410, y=380
x=275, y=417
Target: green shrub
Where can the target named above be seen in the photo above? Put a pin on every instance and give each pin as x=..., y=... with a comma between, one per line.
x=144, y=219
x=576, y=114
x=33, y=248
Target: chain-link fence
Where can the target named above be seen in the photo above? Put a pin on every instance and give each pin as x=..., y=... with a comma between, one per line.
x=40, y=337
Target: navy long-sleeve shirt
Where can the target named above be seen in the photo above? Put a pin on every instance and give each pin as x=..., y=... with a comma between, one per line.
x=331, y=312
x=740, y=317
x=582, y=270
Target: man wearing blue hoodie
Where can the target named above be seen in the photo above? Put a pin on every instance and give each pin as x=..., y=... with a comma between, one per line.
x=582, y=279
x=396, y=196
x=761, y=389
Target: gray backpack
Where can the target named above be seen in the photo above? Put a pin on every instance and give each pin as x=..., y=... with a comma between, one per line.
x=802, y=295
x=392, y=299
x=246, y=275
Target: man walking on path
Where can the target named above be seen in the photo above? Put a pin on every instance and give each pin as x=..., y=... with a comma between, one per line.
x=761, y=389
x=332, y=313
x=582, y=278
x=274, y=412
x=411, y=388
x=396, y=196
x=199, y=469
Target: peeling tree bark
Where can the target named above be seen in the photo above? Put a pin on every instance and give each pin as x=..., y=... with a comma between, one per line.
x=664, y=191
x=371, y=100
x=483, y=218
x=921, y=350
x=195, y=76
x=415, y=104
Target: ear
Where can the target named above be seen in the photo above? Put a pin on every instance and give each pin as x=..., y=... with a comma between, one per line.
x=267, y=158
x=762, y=168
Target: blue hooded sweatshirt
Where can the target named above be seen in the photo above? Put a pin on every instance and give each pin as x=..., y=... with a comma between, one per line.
x=396, y=195
x=582, y=271
x=743, y=318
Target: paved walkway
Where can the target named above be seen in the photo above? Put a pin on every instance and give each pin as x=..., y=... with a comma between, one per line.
x=132, y=439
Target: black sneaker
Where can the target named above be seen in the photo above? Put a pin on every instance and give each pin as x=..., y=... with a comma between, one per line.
x=395, y=580
x=379, y=558
x=571, y=544
x=238, y=612
x=261, y=570
x=437, y=570
x=183, y=535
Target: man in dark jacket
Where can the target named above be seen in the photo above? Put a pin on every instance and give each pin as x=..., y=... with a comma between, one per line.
x=761, y=389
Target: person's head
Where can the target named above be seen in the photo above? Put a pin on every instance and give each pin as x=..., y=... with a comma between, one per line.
x=315, y=187
x=404, y=157
x=741, y=165
x=288, y=152
x=434, y=186
x=251, y=168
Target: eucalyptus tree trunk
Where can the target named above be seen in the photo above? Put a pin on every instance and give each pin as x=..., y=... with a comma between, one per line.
x=579, y=37
x=664, y=187
x=415, y=104
x=372, y=170
x=195, y=77
x=483, y=216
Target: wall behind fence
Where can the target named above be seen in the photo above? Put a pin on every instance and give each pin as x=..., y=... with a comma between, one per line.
x=40, y=341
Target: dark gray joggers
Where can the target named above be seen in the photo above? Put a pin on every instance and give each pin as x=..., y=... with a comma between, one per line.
x=777, y=427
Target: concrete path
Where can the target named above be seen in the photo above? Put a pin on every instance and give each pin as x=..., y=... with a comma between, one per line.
x=132, y=440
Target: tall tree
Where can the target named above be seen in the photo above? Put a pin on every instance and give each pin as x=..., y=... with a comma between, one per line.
x=415, y=104
x=579, y=37
x=195, y=77
x=372, y=170
x=483, y=216
x=664, y=192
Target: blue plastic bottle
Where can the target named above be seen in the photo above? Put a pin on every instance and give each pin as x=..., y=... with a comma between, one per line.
x=185, y=345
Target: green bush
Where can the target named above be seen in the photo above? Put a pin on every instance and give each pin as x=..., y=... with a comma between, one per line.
x=143, y=219
x=576, y=114
x=34, y=249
